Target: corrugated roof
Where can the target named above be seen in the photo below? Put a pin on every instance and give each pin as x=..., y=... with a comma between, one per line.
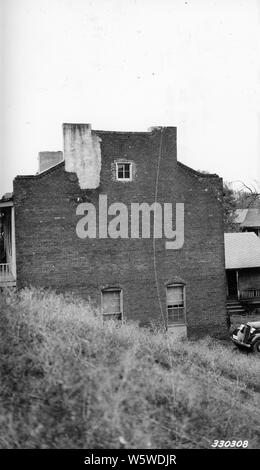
x=248, y=217
x=242, y=250
x=252, y=218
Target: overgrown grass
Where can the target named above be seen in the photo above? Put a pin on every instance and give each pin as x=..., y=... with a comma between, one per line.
x=68, y=380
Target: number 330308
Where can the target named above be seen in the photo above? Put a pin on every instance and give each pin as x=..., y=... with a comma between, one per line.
x=232, y=444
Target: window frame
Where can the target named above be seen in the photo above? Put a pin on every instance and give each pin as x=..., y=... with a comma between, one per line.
x=115, y=316
x=184, y=323
x=130, y=170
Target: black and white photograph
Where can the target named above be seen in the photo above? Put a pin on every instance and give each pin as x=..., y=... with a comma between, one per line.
x=129, y=232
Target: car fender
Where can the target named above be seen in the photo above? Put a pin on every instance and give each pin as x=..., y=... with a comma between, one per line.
x=255, y=338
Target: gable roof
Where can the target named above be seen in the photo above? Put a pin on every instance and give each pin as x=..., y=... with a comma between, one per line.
x=248, y=217
x=242, y=250
x=252, y=218
x=240, y=215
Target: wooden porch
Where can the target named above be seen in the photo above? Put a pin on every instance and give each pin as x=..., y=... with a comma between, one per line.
x=7, y=243
x=250, y=295
x=7, y=278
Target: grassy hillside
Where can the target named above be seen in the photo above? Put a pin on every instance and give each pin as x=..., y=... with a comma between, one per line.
x=70, y=381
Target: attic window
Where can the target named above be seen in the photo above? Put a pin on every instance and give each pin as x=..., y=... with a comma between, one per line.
x=124, y=171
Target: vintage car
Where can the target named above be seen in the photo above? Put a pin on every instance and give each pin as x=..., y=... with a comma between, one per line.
x=247, y=336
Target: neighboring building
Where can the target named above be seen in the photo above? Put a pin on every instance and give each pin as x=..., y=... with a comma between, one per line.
x=7, y=242
x=248, y=220
x=176, y=277
x=242, y=254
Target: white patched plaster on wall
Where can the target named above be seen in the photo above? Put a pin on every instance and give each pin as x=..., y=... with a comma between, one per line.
x=82, y=154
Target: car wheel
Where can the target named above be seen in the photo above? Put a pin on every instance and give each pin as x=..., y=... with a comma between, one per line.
x=256, y=346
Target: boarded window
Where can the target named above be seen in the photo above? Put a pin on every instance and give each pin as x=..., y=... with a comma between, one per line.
x=112, y=304
x=176, y=304
x=124, y=171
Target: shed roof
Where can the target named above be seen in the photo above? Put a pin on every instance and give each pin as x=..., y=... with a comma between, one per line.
x=242, y=250
x=6, y=197
x=248, y=217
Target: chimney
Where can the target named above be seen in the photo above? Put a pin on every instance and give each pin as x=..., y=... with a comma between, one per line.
x=82, y=154
x=48, y=159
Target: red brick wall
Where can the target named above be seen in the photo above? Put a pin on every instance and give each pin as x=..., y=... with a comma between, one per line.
x=49, y=253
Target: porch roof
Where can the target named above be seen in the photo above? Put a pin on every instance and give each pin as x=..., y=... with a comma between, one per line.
x=242, y=250
x=7, y=197
x=6, y=200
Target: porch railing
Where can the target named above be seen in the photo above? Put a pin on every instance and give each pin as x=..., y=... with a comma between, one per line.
x=6, y=271
x=248, y=294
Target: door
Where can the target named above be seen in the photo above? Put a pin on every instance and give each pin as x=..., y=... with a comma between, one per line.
x=232, y=284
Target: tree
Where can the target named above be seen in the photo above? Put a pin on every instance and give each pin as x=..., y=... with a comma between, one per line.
x=248, y=196
x=229, y=208
x=245, y=197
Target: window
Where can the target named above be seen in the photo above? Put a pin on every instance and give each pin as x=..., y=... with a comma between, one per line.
x=112, y=303
x=124, y=171
x=176, y=304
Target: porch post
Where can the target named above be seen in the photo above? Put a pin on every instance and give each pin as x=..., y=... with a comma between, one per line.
x=13, y=242
x=238, y=290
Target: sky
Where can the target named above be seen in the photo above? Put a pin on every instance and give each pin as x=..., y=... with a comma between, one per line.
x=130, y=65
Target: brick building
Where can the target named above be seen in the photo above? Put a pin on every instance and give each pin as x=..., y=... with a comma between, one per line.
x=133, y=277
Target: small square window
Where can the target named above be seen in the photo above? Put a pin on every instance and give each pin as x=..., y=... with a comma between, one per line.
x=176, y=305
x=112, y=304
x=124, y=171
